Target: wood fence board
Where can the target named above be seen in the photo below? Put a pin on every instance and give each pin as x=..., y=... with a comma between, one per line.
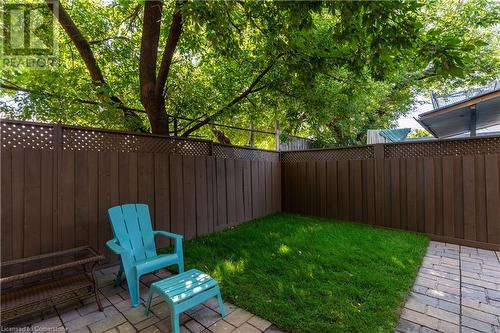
x=247, y=189
x=395, y=194
x=17, y=203
x=310, y=183
x=176, y=195
x=32, y=205
x=411, y=193
x=221, y=193
x=438, y=190
x=332, y=189
x=262, y=189
x=46, y=209
x=480, y=190
x=403, y=218
x=321, y=177
x=211, y=193
x=238, y=191
x=430, y=196
x=230, y=192
x=189, y=198
x=343, y=193
x=268, y=186
x=68, y=199
x=201, y=193
x=81, y=198
x=387, y=187
x=162, y=196
x=458, y=198
x=492, y=167
x=448, y=197
x=357, y=193
x=469, y=197
x=6, y=204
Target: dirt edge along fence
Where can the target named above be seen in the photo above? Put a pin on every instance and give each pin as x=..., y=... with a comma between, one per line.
x=58, y=181
x=448, y=189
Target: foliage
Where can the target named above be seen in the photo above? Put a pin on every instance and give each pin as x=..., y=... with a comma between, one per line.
x=313, y=275
x=337, y=68
x=419, y=133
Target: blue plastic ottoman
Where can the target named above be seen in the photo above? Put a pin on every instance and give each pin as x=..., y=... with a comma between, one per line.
x=184, y=291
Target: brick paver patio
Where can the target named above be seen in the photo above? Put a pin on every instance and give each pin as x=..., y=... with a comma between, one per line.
x=457, y=290
x=118, y=316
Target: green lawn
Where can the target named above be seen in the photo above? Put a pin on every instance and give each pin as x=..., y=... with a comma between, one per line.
x=312, y=275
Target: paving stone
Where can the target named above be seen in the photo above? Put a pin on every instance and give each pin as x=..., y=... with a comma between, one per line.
x=193, y=326
x=151, y=319
x=206, y=316
x=258, y=322
x=448, y=306
x=465, y=329
x=151, y=329
x=427, y=330
x=135, y=315
x=420, y=318
x=107, y=323
x=476, y=324
x=238, y=317
x=85, y=320
x=195, y=309
x=274, y=329
x=448, y=327
x=443, y=295
x=246, y=328
x=161, y=310
x=126, y=328
x=406, y=326
x=70, y=315
x=480, y=315
x=221, y=326
x=443, y=315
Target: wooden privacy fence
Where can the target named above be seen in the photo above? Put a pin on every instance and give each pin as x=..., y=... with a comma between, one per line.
x=446, y=189
x=57, y=183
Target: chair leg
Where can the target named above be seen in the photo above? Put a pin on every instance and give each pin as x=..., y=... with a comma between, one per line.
x=221, y=305
x=133, y=290
x=148, y=303
x=175, y=323
x=118, y=279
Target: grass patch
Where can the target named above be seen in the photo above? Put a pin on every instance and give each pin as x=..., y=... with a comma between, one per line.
x=312, y=275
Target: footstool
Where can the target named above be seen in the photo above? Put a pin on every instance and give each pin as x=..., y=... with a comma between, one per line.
x=184, y=291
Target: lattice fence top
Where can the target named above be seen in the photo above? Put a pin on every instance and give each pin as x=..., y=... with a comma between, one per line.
x=244, y=153
x=89, y=140
x=34, y=136
x=472, y=146
x=348, y=153
x=17, y=134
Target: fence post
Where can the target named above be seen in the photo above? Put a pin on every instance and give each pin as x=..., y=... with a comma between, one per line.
x=57, y=169
x=378, y=152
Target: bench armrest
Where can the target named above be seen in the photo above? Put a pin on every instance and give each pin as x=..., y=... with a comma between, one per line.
x=168, y=234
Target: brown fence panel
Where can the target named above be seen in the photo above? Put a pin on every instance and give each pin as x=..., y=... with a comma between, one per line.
x=57, y=183
x=448, y=189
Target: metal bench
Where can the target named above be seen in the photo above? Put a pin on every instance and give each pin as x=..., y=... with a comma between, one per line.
x=185, y=291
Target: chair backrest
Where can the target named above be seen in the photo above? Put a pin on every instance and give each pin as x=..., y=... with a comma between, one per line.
x=131, y=225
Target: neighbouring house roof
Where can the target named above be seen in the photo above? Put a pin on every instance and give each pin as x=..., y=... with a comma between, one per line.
x=387, y=135
x=454, y=114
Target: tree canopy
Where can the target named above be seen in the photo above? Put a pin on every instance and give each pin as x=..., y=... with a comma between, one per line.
x=329, y=70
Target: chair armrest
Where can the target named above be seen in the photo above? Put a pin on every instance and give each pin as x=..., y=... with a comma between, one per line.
x=168, y=234
x=117, y=249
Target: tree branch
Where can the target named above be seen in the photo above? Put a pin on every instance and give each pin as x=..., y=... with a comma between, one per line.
x=79, y=41
x=14, y=87
x=250, y=89
x=149, y=49
x=174, y=35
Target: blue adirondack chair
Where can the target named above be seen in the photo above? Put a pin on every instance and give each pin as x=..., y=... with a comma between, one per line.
x=134, y=242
